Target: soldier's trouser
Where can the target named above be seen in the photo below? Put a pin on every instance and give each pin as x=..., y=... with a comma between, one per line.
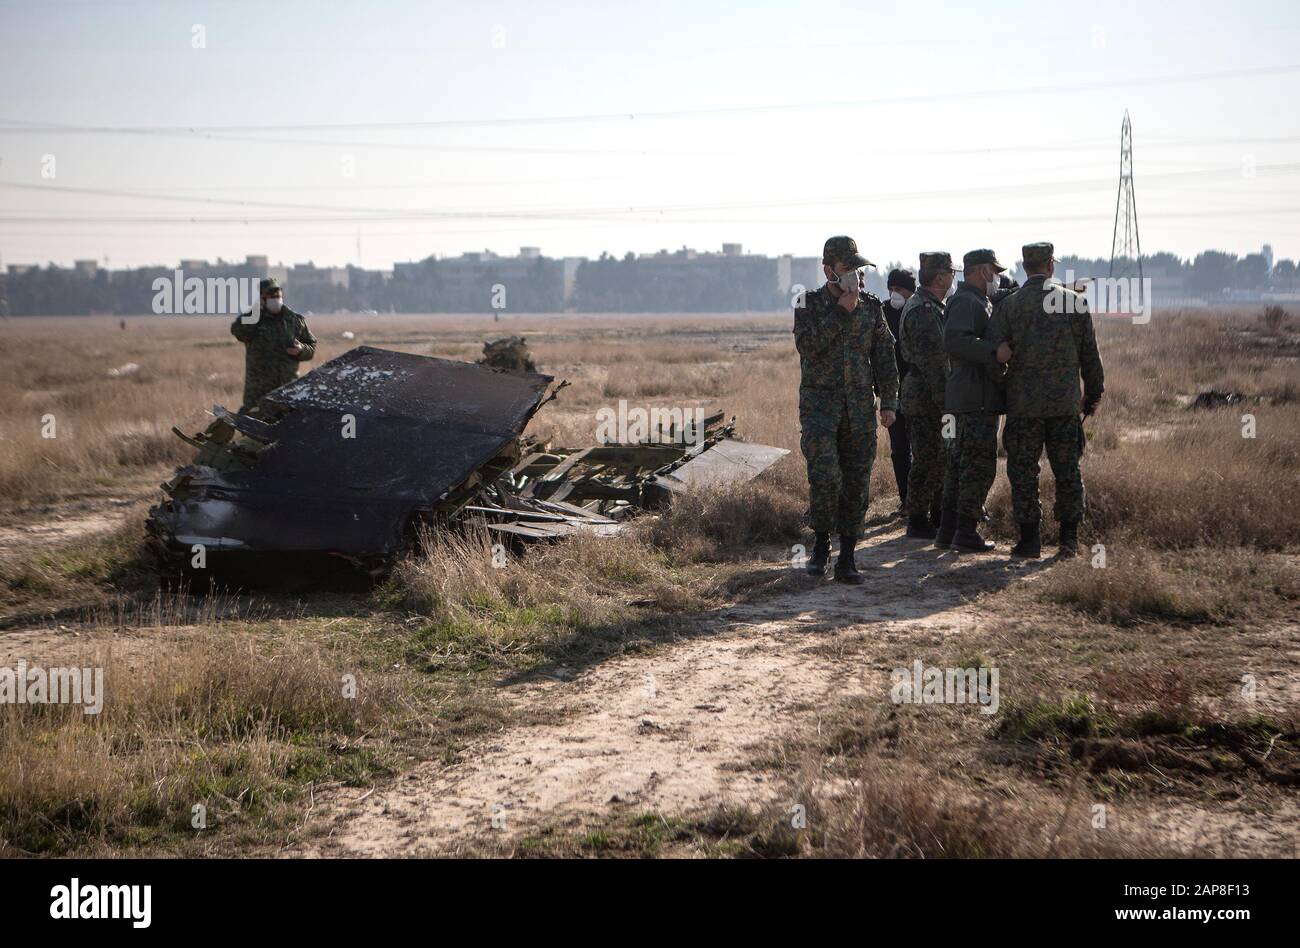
x=839, y=475
x=1024, y=440
x=925, y=480
x=900, y=452
x=972, y=464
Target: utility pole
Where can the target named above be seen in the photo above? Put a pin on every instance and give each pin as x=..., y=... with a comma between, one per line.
x=1125, y=245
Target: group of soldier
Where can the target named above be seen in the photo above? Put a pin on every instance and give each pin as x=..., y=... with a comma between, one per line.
x=947, y=363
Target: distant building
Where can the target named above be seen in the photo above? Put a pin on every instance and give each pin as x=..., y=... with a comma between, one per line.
x=306, y=276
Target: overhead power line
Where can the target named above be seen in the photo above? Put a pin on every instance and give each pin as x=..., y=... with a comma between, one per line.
x=651, y=115
x=361, y=214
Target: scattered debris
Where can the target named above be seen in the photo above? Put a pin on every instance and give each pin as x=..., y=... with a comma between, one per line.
x=510, y=352
x=359, y=455
x=1215, y=399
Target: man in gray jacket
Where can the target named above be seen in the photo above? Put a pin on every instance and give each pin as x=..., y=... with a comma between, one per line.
x=974, y=397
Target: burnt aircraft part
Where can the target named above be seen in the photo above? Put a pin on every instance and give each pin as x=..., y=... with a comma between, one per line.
x=426, y=433
x=436, y=443
x=555, y=492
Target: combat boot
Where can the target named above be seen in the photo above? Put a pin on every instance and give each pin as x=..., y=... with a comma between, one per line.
x=820, y=556
x=1069, y=543
x=919, y=526
x=947, y=527
x=846, y=570
x=968, y=539
x=1031, y=541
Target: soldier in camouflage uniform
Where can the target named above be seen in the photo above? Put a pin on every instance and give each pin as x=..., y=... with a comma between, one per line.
x=1050, y=333
x=275, y=340
x=974, y=396
x=920, y=338
x=846, y=354
x=509, y=352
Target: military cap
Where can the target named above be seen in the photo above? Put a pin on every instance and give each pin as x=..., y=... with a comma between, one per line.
x=937, y=260
x=976, y=257
x=268, y=285
x=901, y=278
x=844, y=250
x=1037, y=255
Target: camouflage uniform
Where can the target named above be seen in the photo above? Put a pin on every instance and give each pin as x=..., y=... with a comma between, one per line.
x=266, y=365
x=973, y=394
x=844, y=359
x=1050, y=330
x=920, y=332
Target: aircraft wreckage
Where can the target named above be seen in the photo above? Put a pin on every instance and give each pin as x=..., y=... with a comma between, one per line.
x=359, y=455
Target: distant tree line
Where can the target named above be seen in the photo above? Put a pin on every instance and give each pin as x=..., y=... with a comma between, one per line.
x=678, y=282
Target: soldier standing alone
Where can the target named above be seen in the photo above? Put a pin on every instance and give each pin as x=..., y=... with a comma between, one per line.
x=974, y=396
x=846, y=353
x=275, y=340
x=920, y=339
x=1051, y=334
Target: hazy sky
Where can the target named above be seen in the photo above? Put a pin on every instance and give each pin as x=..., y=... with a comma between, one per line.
x=298, y=129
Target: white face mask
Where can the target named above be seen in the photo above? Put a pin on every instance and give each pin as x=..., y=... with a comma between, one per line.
x=952, y=288
x=849, y=281
x=896, y=300
x=273, y=304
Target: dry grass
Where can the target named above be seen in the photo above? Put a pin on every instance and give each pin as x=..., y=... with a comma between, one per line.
x=1198, y=523
x=229, y=723
x=1139, y=585
x=480, y=602
x=883, y=808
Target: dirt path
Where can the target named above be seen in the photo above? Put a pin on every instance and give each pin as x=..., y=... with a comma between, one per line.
x=665, y=730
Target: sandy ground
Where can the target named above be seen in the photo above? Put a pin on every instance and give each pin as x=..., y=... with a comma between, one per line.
x=669, y=730
x=58, y=529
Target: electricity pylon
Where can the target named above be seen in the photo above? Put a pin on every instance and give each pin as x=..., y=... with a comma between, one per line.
x=1125, y=245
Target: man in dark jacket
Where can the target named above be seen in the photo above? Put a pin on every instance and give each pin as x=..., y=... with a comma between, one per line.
x=974, y=398
x=920, y=343
x=901, y=285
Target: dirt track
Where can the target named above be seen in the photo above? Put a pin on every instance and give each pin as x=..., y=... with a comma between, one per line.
x=665, y=730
